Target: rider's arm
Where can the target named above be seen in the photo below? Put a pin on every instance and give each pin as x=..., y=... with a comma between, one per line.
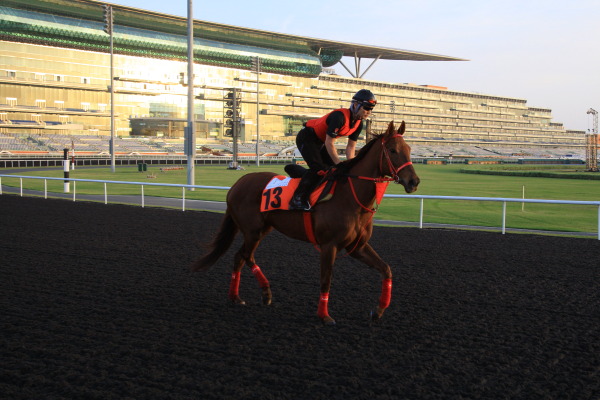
x=335, y=121
x=330, y=146
x=351, y=146
x=350, y=149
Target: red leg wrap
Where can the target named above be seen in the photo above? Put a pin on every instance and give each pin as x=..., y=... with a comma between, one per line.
x=234, y=285
x=386, y=293
x=260, y=277
x=323, y=301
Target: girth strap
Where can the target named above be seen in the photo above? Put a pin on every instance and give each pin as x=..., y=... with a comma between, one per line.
x=308, y=228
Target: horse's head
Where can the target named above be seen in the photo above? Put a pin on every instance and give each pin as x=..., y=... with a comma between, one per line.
x=395, y=158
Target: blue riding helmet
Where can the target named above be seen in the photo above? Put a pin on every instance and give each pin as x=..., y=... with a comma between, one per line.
x=363, y=98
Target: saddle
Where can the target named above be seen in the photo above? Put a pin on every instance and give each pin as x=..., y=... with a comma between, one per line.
x=279, y=191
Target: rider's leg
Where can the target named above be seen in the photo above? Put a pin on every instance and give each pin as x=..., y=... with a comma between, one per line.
x=310, y=148
x=300, y=200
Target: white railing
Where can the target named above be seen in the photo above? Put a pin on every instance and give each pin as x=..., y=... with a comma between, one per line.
x=504, y=200
x=142, y=184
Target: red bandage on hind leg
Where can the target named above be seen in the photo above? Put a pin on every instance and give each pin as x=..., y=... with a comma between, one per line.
x=386, y=293
x=323, y=301
x=262, y=280
x=234, y=285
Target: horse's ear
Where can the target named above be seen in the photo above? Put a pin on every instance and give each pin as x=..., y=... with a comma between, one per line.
x=402, y=128
x=390, y=128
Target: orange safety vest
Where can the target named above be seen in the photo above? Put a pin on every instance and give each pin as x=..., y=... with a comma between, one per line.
x=319, y=125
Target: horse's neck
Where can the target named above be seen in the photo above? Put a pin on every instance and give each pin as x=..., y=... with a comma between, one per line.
x=368, y=168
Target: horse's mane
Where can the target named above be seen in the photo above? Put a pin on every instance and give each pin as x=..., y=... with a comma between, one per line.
x=345, y=166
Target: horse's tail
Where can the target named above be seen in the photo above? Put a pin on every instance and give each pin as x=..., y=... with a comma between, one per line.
x=220, y=244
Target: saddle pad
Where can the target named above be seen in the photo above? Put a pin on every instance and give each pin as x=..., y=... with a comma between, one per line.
x=279, y=191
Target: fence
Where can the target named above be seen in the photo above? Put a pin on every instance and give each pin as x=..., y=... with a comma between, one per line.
x=421, y=197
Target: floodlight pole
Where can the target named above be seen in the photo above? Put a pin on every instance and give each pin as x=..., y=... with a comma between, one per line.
x=257, y=59
x=112, y=102
x=189, y=133
x=108, y=28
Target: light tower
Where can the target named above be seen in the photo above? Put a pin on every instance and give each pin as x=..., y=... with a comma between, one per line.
x=109, y=29
x=591, y=147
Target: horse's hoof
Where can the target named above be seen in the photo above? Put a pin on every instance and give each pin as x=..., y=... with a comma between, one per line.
x=237, y=301
x=266, y=297
x=375, y=317
x=328, y=321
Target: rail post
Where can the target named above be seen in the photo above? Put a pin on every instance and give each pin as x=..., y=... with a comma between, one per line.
x=504, y=217
x=66, y=170
x=421, y=214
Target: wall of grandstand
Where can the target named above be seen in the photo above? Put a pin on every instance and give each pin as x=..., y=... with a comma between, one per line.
x=49, y=91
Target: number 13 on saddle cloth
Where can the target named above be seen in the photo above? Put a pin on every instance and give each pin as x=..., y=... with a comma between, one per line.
x=279, y=191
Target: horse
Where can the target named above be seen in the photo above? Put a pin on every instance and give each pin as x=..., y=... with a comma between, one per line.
x=345, y=221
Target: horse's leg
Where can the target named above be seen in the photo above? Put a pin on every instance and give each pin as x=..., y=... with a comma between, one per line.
x=245, y=255
x=370, y=257
x=328, y=254
x=234, y=283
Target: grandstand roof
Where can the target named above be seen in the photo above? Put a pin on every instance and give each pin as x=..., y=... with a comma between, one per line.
x=348, y=49
x=145, y=19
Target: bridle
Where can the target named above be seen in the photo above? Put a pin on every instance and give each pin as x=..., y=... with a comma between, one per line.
x=385, y=153
x=382, y=179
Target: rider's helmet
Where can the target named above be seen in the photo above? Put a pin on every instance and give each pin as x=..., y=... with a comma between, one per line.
x=365, y=98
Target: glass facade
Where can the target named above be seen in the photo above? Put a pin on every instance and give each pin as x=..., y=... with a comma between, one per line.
x=55, y=78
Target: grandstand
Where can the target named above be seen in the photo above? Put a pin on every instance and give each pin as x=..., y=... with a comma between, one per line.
x=48, y=102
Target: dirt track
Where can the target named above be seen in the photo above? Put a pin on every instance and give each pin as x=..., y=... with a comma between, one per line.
x=97, y=303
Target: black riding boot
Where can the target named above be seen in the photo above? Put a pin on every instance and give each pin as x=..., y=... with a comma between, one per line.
x=302, y=194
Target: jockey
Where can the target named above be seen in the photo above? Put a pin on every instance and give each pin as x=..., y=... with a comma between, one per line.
x=316, y=143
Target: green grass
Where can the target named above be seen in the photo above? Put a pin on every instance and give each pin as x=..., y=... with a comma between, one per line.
x=445, y=180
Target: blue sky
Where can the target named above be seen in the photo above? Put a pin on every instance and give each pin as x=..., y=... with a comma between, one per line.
x=546, y=52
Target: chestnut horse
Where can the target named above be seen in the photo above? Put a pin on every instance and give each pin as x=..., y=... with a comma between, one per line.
x=343, y=222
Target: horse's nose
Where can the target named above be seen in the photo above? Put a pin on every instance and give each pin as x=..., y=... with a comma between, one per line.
x=411, y=185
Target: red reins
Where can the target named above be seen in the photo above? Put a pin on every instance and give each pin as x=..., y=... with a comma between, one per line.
x=382, y=179
x=394, y=171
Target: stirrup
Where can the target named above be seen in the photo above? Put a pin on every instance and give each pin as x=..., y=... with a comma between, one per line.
x=299, y=204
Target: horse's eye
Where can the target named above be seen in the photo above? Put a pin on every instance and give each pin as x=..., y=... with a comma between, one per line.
x=393, y=151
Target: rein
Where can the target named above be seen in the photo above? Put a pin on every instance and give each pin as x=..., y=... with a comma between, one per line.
x=381, y=179
x=385, y=152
